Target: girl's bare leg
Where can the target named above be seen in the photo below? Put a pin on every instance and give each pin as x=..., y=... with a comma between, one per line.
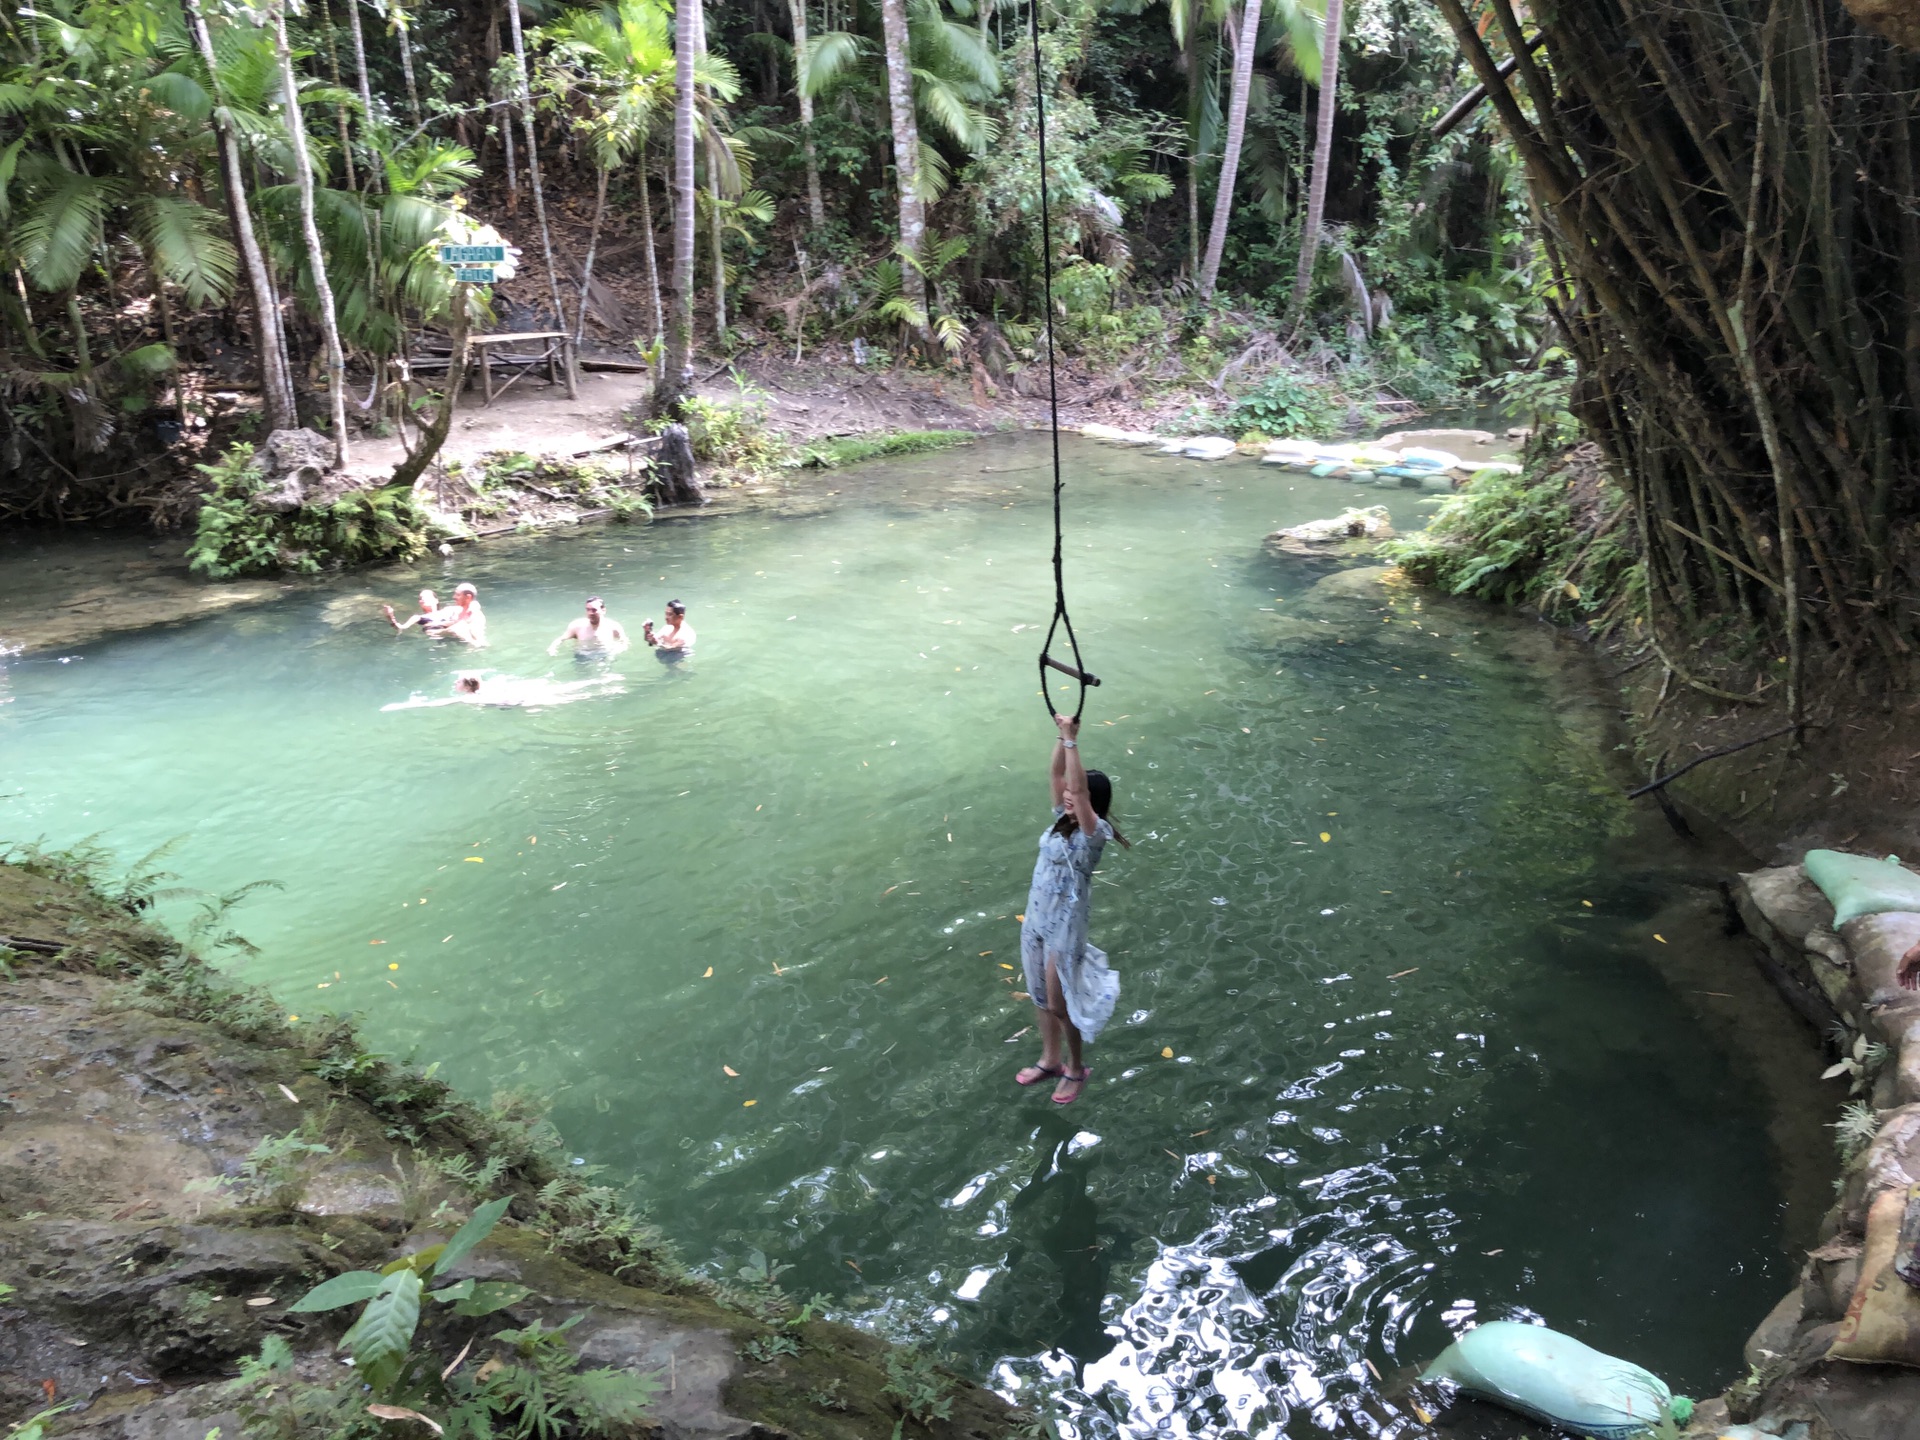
x=1057, y=1013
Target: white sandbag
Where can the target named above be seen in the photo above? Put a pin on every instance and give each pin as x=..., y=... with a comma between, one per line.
x=1556, y=1379
x=1176, y=446
x=1432, y=459
x=1209, y=447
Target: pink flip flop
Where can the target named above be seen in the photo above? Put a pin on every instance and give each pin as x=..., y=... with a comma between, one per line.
x=1043, y=1074
x=1080, y=1080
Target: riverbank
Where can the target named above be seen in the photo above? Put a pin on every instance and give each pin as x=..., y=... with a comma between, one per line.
x=181, y=1160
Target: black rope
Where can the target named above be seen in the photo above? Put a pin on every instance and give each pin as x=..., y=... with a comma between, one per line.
x=1078, y=669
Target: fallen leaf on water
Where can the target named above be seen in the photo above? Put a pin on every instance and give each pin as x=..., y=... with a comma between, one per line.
x=1661, y=938
x=1324, y=837
x=856, y=1268
x=393, y=965
x=561, y=886
x=376, y=942
x=257, y=1301
x=777, y=969
x=400, y=1412
x=881, y=981
x=293, y=1019
x=390, y=983
x=1493, y=1252
x=1400, y=973
x=1005, y=966
x=731, y=1071
x=745, y=1103
x=1166, y=1151
x=1166, y=1052
x=888, y=891
x=1425, y=1418
x=985, y=953
x=1245, y=731
x=1587, y=903
x=445, y=938
x=289, y=1094
x=1021, y=918
x=709, y=974
x=476, y=860
x=1021, y=995
x=1017, y=1034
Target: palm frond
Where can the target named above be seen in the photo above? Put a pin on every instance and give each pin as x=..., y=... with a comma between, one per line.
x=60, y=228
x=831, y=57
x=183, y=241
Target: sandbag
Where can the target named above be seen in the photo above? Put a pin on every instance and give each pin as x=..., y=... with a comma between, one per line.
x=1556, y=1379
x=1860, y=885
x=1209, y=447
x=1882, y=1323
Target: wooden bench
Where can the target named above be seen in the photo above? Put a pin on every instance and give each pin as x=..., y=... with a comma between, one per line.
x=553, y=354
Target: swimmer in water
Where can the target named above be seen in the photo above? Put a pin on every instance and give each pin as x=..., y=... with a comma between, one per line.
x=505, y=692
x=465, y=620
x=594, y=635
x=429, y=616
x=676, y=641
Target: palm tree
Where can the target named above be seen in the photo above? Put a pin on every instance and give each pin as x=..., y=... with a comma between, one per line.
x=1243, y=48
x=316, y=252
x=906, y=162
x=269, y=340
x=622, y=60
x=816, y=210
x=674, y=380
x=525, y=98
x=1322, y=155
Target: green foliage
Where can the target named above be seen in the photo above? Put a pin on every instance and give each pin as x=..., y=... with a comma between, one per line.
x=274, y=1174
x=1286, y=405
x=34, y=1427
x=235, y=537
x=1551, y=536
x=841, y=450
x=765, y=1349
x=734, y=440
x=1853, y=1132
x=915, y=1382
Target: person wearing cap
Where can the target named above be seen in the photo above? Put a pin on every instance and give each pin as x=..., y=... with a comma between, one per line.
x=465, y=621
x=595, y=634
x=674, y=642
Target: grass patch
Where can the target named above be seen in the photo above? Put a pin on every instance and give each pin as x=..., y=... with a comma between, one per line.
x=852, y=449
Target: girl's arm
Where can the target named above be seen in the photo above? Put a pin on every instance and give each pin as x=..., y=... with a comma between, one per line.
x=1058, y=772
x=1070, y=784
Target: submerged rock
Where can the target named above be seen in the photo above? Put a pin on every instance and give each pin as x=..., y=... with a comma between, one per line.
x=1350, y=534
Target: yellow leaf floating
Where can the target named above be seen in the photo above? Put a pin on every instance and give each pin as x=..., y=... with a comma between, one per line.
x=293, y=1019
x=745, y=1103
x=1325, y=837
x=731, y=1071
x=476, y=860
x=393, y=965
x=709, y=974
x=1587, y=903
x=1005, y=966
x=1166, y=1053
x=1661, y=938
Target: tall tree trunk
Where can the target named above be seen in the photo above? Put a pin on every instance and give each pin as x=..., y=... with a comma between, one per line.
x=816, y=209
x=906, y=162
x=269, y=341
x=435, y=435
x=675, y=379
x=525, y=99
x=402, y=32
x=316, y=252
x=593, y=244
x=339, y=111
x=1236, y=131
x=1323, y=114
x=360, y=64
x=716, y=228
x=646, y=229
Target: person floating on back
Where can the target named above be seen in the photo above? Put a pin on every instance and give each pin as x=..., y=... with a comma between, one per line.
x=594, y=635
x=676, y=641
x=1068, y=979
x=429, y=616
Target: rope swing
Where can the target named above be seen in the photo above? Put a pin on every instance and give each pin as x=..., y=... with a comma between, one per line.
x=1061, y=620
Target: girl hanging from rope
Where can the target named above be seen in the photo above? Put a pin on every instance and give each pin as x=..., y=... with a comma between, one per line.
x=1068, y=978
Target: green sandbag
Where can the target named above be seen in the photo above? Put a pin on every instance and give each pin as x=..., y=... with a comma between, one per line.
x=1325, y=468
x=1403, y=472
x=1860, y=885
x=1556, y=1379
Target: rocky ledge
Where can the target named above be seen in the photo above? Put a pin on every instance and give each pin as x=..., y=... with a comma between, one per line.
x=178, y=1167
x=1834, y=1356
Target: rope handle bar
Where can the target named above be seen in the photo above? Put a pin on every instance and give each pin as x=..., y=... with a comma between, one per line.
x=1085, y=677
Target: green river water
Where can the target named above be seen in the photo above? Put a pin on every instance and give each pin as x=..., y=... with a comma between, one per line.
x=1414, y=1077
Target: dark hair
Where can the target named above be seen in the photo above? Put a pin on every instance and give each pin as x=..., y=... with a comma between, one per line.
x=595, y=600
x=675, y=607
x=1100, y=792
